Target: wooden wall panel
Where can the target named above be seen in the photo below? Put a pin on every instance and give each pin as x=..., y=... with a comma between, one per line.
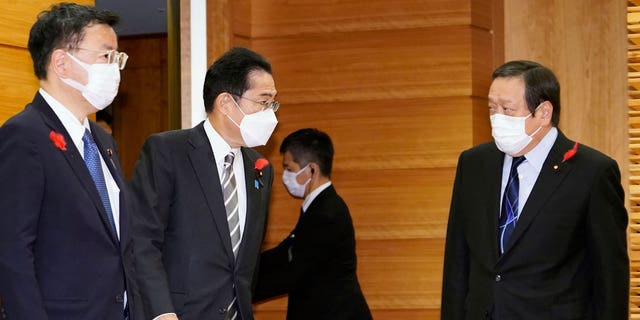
x=378, y=65
x=379, y=205
x=18, y=84
x=401, y=89
x=18, y=17
x=584, y=43
x=391, y=134
x=273, y=18
x=141, y=107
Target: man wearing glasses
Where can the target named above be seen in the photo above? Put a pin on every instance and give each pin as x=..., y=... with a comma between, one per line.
x=202, y=197
x=64, y=239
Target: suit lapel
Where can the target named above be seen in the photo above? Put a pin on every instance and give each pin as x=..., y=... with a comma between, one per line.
x=107, y=153
x=204, y=165
x=253, y=200
x=75, y=160
x=493, y=176
x=548, y=181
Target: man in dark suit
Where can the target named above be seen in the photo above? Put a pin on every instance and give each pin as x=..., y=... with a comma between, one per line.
x=203, y=196
x=63, y=220
x=316, y=263
x=537, y=227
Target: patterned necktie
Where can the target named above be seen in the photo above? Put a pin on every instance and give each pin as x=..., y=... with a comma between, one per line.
x=509, y=212
x=230, y=192
x=92, y=159
x=231, y=202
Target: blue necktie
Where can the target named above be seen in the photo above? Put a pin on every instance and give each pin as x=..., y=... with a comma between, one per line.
x=92, y=159
x=509, y=212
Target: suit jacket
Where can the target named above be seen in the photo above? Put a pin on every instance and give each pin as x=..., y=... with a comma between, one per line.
x=59, y=256
x=567, y=257
x=181, y=235
x=316, y=265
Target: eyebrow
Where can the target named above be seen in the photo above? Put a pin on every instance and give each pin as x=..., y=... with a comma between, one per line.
x=268, y=95
x=493, y=100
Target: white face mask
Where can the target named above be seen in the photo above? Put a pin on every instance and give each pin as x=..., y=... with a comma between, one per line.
x=103, y=80
x=256, y=128
x=509, y=133
x=290, y=181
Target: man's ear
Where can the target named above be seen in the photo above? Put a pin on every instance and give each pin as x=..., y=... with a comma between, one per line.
x=314, y=167
x=59, y=63
x=224, y=102
x=546, y=111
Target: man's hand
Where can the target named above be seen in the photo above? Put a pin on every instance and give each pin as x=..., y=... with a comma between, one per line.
x=167, y=316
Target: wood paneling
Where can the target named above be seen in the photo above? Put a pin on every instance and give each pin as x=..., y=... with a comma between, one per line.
x=633, y=27
x=401, y=89
x=384, y=134
x=17, y=17
x=18, y=83
x=584, y=43
x=273, y=18
x=379, y=206
x=141, y=107
x=374, y=65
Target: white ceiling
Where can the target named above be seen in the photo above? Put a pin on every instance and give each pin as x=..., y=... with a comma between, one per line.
x=138, y=16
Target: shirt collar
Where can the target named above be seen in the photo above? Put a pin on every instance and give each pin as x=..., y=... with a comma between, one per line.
x=220, y=147
x=313, y=195
x=74, y=127
x=539, y=153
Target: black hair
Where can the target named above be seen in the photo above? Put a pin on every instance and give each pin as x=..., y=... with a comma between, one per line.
x=540, y=84
x=230, y=73
x=62, y=26
x=310, y=145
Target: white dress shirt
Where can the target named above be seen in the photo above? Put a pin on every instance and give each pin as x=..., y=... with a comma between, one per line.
x=220, y=149
x=529, y=170
x=313, y=194
x=76, y=130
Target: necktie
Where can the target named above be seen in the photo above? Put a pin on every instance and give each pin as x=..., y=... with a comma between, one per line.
x=509, y=212
x=92, y=160
x=231, y=202
x=230, y=192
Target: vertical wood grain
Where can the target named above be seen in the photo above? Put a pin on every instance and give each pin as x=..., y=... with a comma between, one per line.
x=584, y=43
x=401, y=89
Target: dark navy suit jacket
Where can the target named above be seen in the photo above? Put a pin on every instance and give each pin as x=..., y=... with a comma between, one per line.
x=59, y=257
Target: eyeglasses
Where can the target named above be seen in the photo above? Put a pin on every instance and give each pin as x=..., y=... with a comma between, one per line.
x=273, y=105
x=112, y=56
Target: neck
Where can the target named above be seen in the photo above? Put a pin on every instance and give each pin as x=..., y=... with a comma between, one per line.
x=315, y=183
x=536, y=140
x=69, y=98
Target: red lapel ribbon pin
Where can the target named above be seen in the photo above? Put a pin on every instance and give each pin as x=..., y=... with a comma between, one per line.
x=58, y=140
x=259, y=165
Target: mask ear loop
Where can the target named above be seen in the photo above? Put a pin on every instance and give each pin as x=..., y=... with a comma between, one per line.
x=237, y=105
x=530, y=115
x=302, y=170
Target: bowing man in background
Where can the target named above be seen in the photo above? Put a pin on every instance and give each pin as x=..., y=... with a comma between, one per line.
x=203, y=197
x=316, y=263
x=537, y=226
x=63, y=224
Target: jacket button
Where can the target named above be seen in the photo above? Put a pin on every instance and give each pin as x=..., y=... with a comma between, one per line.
x=222, y=310
x=120, y=298
x=498, y=278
